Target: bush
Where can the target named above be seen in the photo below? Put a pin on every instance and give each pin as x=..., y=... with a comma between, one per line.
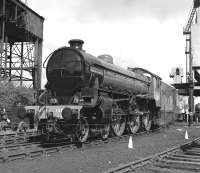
x=11, y=95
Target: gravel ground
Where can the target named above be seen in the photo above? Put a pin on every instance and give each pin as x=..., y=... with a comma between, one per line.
x=102, y=158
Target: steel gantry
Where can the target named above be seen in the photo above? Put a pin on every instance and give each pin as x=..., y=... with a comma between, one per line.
x=190, y=88
x=21, y=37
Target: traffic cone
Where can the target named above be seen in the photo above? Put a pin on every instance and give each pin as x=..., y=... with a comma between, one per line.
x=186, y=135
x=130, y=143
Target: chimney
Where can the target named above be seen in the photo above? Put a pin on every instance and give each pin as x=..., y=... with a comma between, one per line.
x=76, y=43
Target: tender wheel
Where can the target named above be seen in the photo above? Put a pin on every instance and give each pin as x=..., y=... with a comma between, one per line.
x=105, y=131
x=118, y=125
x=134, y=124
x=82, y=130
x=147, y=122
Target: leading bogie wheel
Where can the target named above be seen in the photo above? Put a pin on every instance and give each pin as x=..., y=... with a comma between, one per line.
x=119, y=125
x=22, y=126
x=82, y=130
x=147, y=122
x=134, y=124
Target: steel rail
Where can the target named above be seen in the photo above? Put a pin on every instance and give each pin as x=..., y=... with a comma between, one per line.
x=17, y=137
x=130, y=167
x=36, y=149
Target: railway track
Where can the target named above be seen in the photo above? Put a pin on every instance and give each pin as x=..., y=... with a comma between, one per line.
x=23, y=137
x=183, y=158
x=36, y=149
x=16, y=137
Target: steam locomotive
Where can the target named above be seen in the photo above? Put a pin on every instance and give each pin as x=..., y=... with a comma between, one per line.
x=89, y=96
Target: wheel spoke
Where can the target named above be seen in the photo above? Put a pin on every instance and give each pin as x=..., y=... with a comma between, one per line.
x=147, y=122
x=134, y=124
x=82, y=130
x=118, y=126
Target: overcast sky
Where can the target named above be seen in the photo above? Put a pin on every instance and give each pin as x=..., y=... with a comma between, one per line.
x=144, y=33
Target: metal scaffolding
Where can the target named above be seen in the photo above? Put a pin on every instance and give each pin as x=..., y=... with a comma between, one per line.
x=190, y=88
x=21, y=36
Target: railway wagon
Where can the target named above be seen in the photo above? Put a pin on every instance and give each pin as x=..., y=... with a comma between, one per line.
x=169, y=104
x=89, y=96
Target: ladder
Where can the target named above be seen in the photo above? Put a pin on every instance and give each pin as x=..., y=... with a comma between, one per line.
x=187, y=27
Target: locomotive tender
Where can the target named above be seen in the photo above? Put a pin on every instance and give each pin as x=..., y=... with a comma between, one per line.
x=88, y=96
